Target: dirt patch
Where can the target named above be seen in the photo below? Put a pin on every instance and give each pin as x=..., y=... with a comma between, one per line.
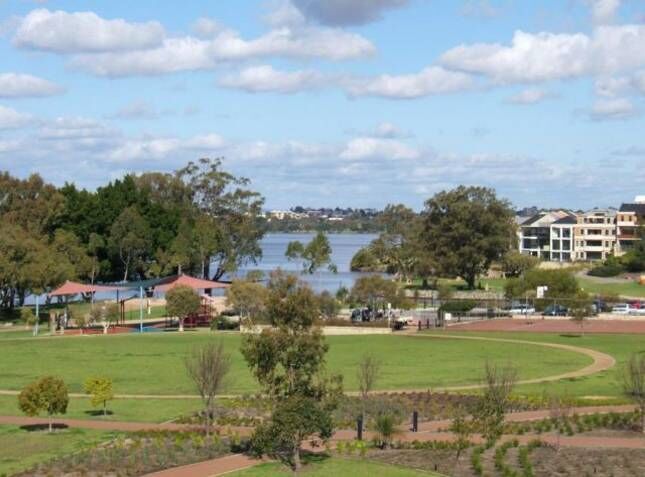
x=538, y=325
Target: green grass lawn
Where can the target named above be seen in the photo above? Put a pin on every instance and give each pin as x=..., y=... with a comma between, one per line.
x=142, y=410
x=324, y=467
x=21, y=449
x=629, y=288
x=606, y=383
x=154, y=363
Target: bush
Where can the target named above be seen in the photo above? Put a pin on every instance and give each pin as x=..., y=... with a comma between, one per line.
x=606, y=270
x=457, y=307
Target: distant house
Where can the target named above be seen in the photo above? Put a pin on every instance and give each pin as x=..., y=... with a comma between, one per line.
x=629, y=218
x=536, y=235
x=595, y=234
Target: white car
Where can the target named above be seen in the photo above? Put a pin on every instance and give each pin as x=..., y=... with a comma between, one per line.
x=522, y=310
x=637, y=311
x=620, y=309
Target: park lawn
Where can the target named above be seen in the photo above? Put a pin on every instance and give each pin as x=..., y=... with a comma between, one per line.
x=324, y=467
x=629, y=288
x=132, y=410
x=154, y=363
x=604, y=384
x=21, y=449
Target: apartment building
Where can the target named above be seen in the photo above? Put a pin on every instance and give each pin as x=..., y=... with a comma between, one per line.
x=629, y=218
x=595, y=234
x=537, y=238
x=562, y=233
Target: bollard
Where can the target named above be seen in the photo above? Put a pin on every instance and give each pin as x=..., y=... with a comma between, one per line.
x=359, y=428
x=428, y=324
x=419, y=323
x=415, y=421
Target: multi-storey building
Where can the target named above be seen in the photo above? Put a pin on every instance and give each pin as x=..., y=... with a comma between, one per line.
x=629, y=218
x=595, y=234
x=535, y=235
x=562, y=242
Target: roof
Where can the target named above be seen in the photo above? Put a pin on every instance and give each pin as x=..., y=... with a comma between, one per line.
x=73, y=288
x=569, y=219
x=192, y=282
x=599, y=212
x=638, y=209
x=545, y=219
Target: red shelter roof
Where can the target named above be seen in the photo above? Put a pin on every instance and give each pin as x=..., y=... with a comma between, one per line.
x=74, y=288
x=192, y=282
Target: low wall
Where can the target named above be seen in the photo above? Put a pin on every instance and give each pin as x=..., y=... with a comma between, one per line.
x=330, y=330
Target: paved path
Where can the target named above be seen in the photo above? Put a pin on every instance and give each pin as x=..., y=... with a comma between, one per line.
x=210, y=468
x=601, y=362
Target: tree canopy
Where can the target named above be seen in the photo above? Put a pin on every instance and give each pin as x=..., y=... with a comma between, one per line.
x=140, y=226
x=466, y=229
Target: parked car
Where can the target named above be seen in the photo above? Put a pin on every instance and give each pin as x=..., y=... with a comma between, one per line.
x=637, y=311
x=600, y=306
x=637, y=304
x=620, y=309
x=555, y=310
x=521, y=310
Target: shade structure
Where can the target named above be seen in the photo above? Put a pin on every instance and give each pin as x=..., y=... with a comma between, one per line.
x=192, y=282
x=74, y=288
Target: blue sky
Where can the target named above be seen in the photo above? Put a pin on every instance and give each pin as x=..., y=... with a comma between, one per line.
x=336, y=102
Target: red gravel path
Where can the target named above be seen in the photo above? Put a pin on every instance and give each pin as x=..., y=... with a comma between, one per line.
x=538, y=325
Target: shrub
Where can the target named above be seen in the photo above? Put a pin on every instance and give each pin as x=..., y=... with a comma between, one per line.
x=606, y=270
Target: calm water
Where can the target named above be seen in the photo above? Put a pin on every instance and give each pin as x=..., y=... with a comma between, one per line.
x=344, y=246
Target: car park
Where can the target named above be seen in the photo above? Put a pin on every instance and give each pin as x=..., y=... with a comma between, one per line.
x=521, y=310
x=555, y=310
x=620, y=309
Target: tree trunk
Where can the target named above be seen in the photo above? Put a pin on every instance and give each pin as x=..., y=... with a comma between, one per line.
x=105, y=408
x=297, y=465
x=50, y=423
x=181, y=325
x=643, y=417
x=209, y=412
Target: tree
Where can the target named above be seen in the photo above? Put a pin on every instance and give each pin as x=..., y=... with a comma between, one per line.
x=248, y=297
x=110, y=314
x=634, y=383
x=48, y=394
x=515, y=264
x=466, y=229
x=560, y=283
x=559, y=410
x=369, y=369
x=494, y=402
x=328, y=304
x=315, y=255
x=129, y=239
x=232, y=236
x=462, y=428
x=376, y=292
x=95, y=245
x=207, y=368
x=581, y=309
x=100, y=391
x=368, y=372
x=181, y=302
x=29, y=318
x=288, y=360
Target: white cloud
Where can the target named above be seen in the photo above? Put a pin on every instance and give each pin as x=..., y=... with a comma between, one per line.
x=265, y=78
x=364, y=148
x=549, y=56
x=530, y=96
x=617, y=108
x=431, y=80
x=389, y=131
x=73, y=128
x=16, y=85
x=158, y=148
x=531, y=57
x=603, y=11
x=63, y=32
x=206, y=27
x=479, y=9
x=12, y=119
x=191, y=54
x=346, y=12
x=136, y=110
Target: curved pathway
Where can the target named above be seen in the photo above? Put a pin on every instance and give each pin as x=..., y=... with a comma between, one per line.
x=601, y=362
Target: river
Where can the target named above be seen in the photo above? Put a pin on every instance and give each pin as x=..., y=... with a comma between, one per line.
x=343, y=246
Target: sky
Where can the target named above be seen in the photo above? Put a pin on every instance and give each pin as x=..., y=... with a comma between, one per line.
x=355, y=103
